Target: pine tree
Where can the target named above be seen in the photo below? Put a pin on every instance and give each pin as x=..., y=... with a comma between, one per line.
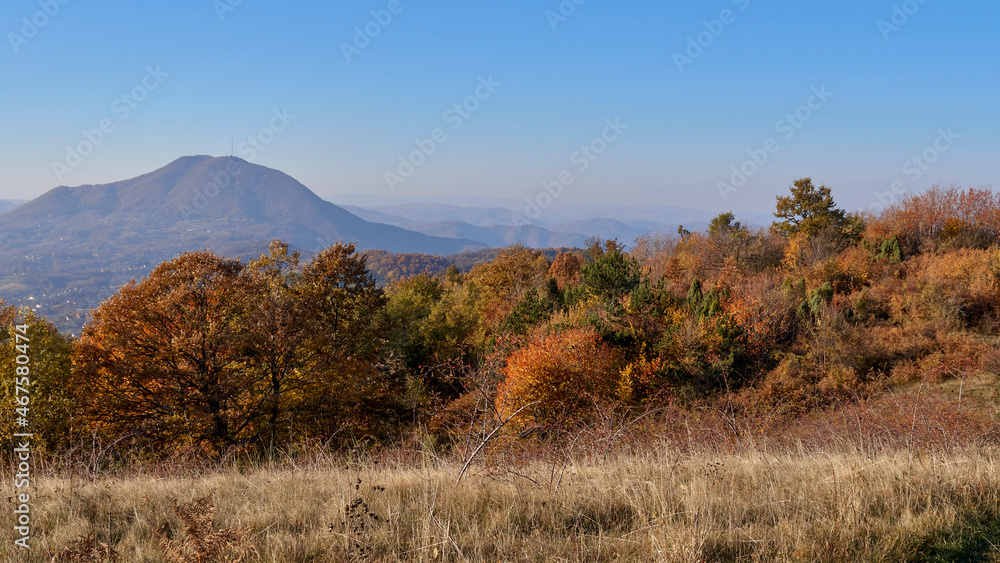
x=808, y=209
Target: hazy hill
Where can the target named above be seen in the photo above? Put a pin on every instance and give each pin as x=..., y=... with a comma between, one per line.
x=218, y=202
x=494, y=210
x=612, y=229
x=8, y=204
x=492, y=234
x=72, y=246
x=585, y=220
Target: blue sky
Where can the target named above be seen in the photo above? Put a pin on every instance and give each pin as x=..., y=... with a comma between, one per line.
x=197, y=73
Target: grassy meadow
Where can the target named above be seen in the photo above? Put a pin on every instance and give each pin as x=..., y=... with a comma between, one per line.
x=853, y=483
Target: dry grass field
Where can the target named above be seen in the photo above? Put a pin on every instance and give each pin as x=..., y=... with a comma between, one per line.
x=911, y=474
x=660, y=506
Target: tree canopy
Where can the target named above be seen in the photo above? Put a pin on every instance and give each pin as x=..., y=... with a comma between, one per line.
x=210, y=353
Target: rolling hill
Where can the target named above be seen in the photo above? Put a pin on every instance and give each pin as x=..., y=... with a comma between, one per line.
x=68, y=249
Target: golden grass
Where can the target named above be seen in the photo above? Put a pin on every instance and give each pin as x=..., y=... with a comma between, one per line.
x=796, y=506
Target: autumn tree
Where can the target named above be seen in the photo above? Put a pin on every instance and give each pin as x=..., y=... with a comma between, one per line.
x=563, y=373
x=730, y=239
x=530, y=311
x=565, y=269
x=499, y=286
x=429, y=323
x=653, y=253
x=210, y=352
x=275, y=341
x=342, y=300
x=409, y=305
x=162, y=361
x=733, y=244
x=725, y=223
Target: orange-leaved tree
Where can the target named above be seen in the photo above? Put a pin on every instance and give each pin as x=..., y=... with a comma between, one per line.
x=500, y=284
x=566, y=269
x=208, y=352
x=161, y=359
x=564, y=373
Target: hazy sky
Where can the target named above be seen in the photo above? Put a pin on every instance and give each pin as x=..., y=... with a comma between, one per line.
x=336, y=93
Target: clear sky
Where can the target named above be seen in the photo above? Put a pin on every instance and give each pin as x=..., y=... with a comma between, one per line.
x=693, y=86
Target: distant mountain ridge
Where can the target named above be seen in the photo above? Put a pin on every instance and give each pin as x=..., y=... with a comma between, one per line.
x=8, y=204
x=624, y=222
x=491, y=234
x=499, y=221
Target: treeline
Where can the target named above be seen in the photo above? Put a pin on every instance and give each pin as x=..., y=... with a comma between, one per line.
x=209, y=354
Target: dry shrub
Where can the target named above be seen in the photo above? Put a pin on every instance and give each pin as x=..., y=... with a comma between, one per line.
x=842, y=359
x=941, y=217
x=850, y=270
x=956, y=287
x=86, y=550
x=764, y=315
x=927, y=419
x=801, y=383
x=639, y=379
x=989, y=362
x=803, y=251
x=950, y=356
x=456, y=415
x=561, y=372
x=872, y=304
x=202, y=543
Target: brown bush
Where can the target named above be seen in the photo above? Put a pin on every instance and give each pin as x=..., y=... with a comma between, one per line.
x=562, y=372
x=957, y=288
x=941, y=217
x=764, y=316
x=566, y=269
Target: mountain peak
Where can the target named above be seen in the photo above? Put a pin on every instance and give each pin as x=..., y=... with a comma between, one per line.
x=212, y=195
